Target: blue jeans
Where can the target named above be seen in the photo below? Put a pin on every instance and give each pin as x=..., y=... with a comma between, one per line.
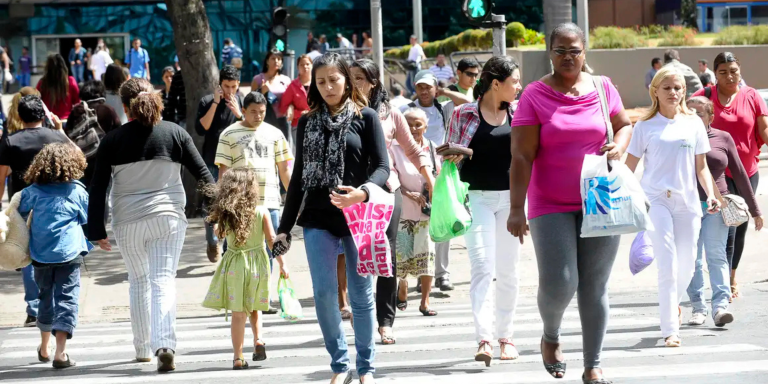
x=59, y=293
x=322, y=250
x=78, y=71
x=24, y=79
x=31, y=292
x=712, y=239
x=210, y=236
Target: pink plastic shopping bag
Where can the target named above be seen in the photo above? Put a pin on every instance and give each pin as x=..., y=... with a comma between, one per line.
x=368, y=224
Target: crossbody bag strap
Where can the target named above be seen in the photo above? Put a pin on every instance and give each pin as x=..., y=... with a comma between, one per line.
x=432, y=156
x=598, y=81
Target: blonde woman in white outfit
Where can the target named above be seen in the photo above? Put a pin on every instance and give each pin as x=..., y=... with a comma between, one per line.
x=674, y=142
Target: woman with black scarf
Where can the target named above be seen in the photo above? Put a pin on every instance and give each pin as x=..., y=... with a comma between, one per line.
x=340, y=149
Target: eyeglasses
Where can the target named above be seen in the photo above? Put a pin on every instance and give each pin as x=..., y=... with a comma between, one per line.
x=563, y=52
x=471, y=74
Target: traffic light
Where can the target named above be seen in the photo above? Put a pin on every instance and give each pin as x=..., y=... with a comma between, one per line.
x=279, y=29
x=477, y=11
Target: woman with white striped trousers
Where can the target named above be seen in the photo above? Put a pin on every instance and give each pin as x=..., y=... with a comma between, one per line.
x=143, y=159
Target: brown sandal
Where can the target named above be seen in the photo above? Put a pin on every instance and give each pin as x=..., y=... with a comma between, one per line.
x=482, y=355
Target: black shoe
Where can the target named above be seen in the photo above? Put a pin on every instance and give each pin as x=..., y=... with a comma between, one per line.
x=270, y=311
x=165, y=360
x=30, y=322
x=444, y=284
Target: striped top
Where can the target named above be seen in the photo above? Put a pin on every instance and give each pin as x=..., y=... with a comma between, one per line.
x=442, y=73
x=259, y=149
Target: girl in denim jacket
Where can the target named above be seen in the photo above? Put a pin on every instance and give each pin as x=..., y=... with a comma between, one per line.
x=58, y=205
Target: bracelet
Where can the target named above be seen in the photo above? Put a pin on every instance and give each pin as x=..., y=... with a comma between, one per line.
x=215, y=103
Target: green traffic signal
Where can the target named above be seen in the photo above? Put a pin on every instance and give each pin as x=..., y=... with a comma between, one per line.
x=279, y=45
x=477, y=7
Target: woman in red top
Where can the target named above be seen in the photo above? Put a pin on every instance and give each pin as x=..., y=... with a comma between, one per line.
x=58, y=90
x=740, y=111
x=293, y=104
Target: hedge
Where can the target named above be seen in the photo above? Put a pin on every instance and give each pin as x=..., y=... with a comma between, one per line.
x=615, y=38
x=472, y=40
x=743, y=35
x=677, y=36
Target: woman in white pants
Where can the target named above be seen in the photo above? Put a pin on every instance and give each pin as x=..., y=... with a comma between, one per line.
x=143, y=159
x=674, y=142
x=484, y=126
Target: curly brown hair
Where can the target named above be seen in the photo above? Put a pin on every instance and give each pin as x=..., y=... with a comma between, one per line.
x=56, y=163
x=144, y=104
x=235, y=198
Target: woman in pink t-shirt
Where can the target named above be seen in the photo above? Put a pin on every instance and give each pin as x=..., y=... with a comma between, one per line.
x=740, y=111
x=559, y=120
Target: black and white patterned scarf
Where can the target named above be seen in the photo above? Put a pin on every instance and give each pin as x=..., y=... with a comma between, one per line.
x=324, y=164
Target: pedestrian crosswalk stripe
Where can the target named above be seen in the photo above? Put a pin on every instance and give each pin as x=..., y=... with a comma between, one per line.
x=511, y=377
x=224, y=343
x=412, y=321
x=224, y=332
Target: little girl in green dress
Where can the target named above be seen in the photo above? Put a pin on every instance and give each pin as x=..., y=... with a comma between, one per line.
x=241, y=283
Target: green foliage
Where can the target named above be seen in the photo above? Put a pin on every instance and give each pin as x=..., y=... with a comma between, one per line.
x=651, y=31
x=515, y=32
x=533, y=37
x=677, y=36
x=688, y=14
x=615, y=38
x=743, y=35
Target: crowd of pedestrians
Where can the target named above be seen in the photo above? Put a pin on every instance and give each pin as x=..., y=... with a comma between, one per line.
x=324, y=141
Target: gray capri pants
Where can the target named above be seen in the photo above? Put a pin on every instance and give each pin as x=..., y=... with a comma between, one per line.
x=569, y=264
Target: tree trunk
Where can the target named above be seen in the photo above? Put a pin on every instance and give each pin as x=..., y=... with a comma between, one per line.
x=194, y=45
x=556, y=12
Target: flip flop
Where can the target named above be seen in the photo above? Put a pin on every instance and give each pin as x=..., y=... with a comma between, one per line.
x=386, y=339
x=428, y=312
x=260, y=352
x=243, y=364
x=346, y=313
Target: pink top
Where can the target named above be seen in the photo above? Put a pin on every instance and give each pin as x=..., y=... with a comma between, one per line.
x=410, y=178
x=63, y=107
x=396, y=128
x=571, y=127
x=740, y=120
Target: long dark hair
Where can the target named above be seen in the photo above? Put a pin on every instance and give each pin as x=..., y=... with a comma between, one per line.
x=269, y=56
x=497, y=68
x=378, y=100
x=55, y=82
x=315, y=99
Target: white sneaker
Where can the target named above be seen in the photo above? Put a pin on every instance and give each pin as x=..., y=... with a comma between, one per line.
x=723, y=317
x=698, y=318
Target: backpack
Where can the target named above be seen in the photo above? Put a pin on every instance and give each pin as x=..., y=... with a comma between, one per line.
x=14, y=237
x=87, y=133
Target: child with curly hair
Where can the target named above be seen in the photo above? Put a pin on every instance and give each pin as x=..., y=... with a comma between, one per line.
x=241, y=283
x=58, y=204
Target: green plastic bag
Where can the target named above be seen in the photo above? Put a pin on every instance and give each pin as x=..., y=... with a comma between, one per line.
x=451, y=214
x=290, y=307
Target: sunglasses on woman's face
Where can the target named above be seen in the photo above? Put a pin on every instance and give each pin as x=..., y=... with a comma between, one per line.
x=562, y=52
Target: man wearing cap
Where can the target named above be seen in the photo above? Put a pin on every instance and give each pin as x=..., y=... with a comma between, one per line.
x=438, y=117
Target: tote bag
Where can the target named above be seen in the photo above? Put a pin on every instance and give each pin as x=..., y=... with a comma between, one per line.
x=368, y=222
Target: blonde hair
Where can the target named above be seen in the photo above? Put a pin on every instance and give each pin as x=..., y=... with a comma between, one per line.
x=14, y=123
x=664, y=73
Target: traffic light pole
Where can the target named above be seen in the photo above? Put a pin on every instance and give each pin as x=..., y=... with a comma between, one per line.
x=499, y=25
x=377, y=37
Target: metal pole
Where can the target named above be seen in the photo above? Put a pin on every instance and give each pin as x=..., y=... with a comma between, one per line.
x=290, y=65
x=377, y=37
x=499, y=35
x=582, y=17
x=417, y=28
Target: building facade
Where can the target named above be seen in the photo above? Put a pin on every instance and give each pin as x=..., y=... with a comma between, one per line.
x=715, y=15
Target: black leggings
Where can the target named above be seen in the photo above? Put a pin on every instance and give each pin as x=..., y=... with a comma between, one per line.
x=736, y=235
x=386, y=287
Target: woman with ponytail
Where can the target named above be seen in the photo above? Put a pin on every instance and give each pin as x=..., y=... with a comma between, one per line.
x=485, y=127
x=143, y=159
x=365, y=73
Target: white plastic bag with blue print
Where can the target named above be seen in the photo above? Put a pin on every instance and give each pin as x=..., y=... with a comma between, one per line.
x=613, y=203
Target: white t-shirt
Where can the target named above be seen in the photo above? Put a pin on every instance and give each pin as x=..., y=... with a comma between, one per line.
x=435, y=124
x=99, y=63
x=669, y=148
x=416, y=53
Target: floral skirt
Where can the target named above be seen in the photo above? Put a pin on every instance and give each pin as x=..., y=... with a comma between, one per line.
x=241, y=282
x=415, y=250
